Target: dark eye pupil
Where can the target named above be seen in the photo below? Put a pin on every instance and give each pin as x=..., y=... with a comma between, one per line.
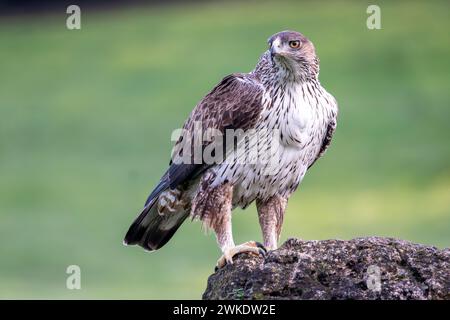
x=294, y=44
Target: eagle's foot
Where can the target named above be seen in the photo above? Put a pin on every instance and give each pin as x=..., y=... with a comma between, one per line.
x=169, y=202
x=228, y=254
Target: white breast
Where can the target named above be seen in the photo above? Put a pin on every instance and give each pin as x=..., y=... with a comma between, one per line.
x=301, y=121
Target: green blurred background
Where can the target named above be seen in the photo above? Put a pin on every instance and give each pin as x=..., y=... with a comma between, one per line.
x=86, y=118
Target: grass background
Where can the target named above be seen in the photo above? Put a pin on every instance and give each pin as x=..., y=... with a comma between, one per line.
x=86, y=118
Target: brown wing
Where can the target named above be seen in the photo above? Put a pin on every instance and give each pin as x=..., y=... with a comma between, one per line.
x=235, y=103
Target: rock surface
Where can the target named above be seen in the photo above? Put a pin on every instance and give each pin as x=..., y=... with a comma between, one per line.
x=362, y=268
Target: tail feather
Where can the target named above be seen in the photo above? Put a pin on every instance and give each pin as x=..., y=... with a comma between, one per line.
x=151, y=230
x=161, y=230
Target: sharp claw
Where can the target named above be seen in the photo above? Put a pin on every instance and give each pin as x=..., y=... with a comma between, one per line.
x=262, y=252
x=261, y=246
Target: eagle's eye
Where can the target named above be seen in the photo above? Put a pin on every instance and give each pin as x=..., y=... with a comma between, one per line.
x=295, y=44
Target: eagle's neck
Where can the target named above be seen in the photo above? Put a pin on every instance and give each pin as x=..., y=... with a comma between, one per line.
x=282, y=75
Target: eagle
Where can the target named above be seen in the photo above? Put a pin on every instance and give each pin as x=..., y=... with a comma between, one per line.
x=282, y=103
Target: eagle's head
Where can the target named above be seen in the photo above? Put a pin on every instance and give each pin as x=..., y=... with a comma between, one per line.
x=292, y=51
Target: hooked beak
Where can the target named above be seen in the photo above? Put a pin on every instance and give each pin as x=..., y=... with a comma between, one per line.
x=274, y=49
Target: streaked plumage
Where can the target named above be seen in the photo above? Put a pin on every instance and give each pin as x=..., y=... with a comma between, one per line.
x=281, y=94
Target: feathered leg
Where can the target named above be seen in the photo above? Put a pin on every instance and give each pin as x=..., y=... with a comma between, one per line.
x=220, y=221
x=271, y=214
x=213, y=206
